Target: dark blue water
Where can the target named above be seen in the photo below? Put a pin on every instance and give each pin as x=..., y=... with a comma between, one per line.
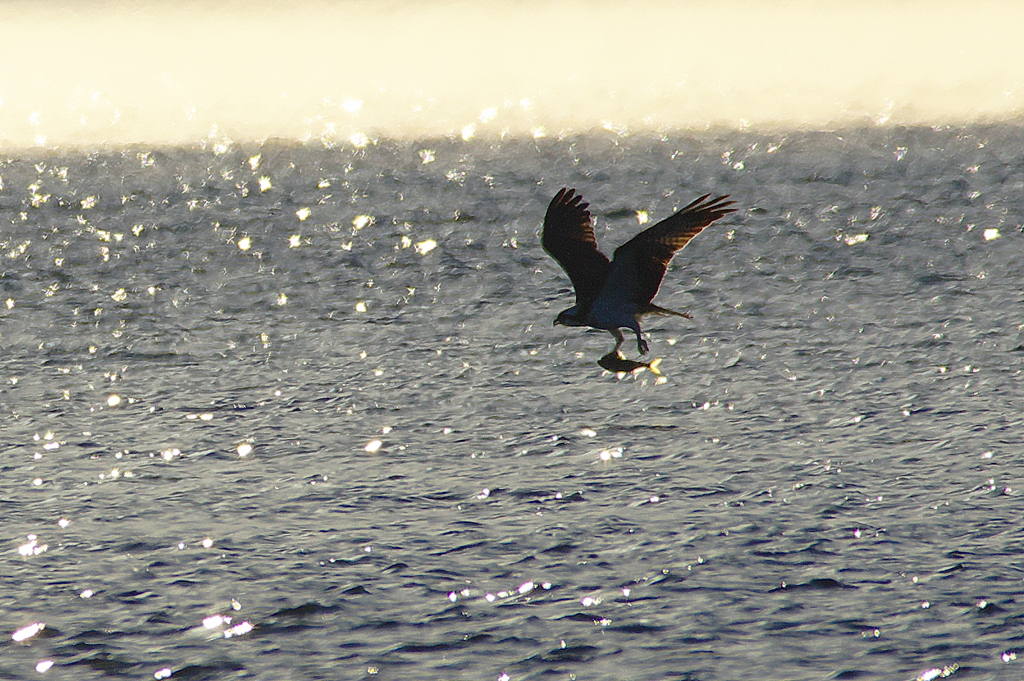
x=284, y=411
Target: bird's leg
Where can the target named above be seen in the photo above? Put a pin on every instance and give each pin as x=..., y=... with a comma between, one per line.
x=641, y=344
x=619, y=340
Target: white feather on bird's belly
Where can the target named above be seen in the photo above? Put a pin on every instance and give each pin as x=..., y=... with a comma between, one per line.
x=613, y=314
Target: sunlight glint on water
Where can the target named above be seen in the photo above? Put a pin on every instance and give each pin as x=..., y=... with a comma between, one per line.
x=346, y=72
x=321, y=378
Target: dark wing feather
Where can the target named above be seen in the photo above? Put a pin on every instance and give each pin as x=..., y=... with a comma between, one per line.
x=649, y=252
x=569, y=237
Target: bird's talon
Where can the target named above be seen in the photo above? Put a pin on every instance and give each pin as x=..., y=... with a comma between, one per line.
x=642, y=347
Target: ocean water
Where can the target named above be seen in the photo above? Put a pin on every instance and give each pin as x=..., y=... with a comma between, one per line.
x=292, y=410
x=157, y=71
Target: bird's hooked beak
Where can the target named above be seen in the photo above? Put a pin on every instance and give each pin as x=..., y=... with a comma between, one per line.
x=565, y=318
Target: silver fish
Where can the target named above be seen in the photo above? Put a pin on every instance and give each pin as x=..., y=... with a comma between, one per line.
x=617, y=364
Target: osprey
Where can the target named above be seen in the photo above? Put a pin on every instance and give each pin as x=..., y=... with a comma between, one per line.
x=614, y=295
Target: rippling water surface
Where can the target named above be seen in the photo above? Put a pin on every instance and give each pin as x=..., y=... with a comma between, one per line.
x=289, y=411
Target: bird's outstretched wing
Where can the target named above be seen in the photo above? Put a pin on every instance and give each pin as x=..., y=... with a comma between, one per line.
x=569, y=237
x=639, y=265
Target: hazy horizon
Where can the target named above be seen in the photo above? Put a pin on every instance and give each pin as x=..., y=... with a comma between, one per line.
x=116, y=73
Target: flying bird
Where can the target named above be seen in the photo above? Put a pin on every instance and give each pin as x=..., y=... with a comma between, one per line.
x=616, y=294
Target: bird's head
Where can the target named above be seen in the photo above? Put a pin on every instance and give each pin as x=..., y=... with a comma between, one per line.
x=567, y=318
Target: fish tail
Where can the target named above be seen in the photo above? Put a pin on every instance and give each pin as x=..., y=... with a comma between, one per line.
x=653, y=366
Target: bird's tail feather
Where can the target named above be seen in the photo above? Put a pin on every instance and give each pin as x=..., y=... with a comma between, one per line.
x=654, y=309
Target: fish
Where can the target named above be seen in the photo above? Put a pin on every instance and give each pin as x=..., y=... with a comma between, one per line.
x=617, y=364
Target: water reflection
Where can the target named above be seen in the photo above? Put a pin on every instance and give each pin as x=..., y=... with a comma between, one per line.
x=406, y=430
x=513, y=72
